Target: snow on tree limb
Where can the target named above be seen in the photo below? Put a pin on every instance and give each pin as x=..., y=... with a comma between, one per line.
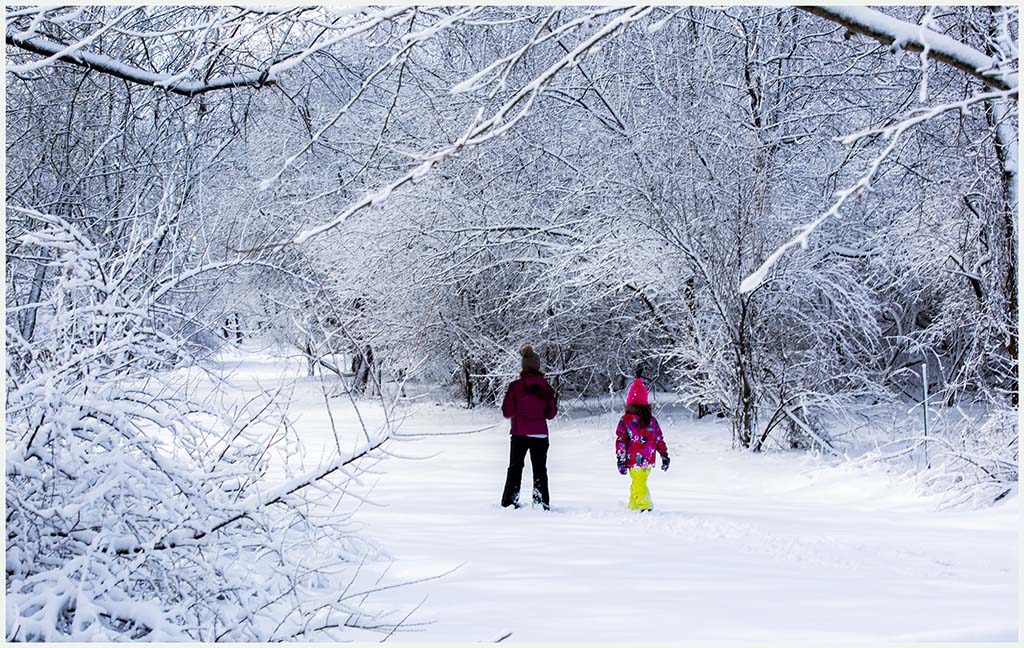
x=481, y=129
x=184, y=82
x=257, y=502
x=107, y=65
x=863, y=184
x=892, y=31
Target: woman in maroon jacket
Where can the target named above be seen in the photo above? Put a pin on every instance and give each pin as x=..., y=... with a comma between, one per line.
x=530, y=403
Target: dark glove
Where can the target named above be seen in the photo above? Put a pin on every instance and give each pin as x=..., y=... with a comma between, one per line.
x=664, y=462
x=622, y=466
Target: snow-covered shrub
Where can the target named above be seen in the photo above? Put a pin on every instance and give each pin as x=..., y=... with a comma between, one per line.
x=974, y=459
x=135, y=509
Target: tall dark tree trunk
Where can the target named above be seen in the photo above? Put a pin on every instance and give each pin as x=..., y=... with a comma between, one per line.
x=467, y=372
x=310, y=358
x=362, y=367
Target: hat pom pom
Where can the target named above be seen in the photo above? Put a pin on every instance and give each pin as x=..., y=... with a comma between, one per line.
x=527, y=350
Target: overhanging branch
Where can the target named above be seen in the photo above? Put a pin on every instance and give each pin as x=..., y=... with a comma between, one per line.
x=107, y=65
x=892, y=31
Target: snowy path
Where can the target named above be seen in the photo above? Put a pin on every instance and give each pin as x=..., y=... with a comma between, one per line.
x=740, y=546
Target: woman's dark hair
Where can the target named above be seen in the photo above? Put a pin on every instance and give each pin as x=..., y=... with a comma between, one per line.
x=641, y=411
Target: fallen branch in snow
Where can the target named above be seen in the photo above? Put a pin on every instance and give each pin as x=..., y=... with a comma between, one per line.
x=903, y=35
x=417, y=435
x=806, y=429
x=253, y=505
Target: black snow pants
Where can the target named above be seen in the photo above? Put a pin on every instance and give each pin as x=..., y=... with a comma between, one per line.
x=538, y=447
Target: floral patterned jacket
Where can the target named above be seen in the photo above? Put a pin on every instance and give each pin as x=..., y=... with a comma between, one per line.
x=636, y=446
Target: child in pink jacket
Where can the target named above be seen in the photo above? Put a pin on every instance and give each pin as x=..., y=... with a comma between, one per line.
x=637, y=438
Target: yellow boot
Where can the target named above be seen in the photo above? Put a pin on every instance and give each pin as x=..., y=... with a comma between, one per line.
x=639, y=495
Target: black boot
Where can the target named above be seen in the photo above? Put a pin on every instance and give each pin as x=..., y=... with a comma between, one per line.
x=510, y=496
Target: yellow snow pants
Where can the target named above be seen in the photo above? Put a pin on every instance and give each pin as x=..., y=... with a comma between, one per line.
x=639, y=495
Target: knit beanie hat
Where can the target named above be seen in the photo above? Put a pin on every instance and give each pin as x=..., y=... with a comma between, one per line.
x=531, y=361
x=637, y=393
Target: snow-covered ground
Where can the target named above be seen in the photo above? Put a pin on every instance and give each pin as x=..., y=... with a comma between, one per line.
x=740, y=546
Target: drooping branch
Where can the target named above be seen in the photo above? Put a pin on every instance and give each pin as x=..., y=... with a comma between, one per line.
x=892, y=31
x=892, y=134
x=180, y=83
x=518, y=106
x=107, y=65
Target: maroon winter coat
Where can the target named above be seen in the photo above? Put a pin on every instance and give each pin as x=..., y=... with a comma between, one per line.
x=530, y=403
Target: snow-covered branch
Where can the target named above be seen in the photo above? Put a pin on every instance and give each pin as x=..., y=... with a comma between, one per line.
x=107, y=65
x=903, y=35
x=505, y=117
x=249, y=29
x=891, y=133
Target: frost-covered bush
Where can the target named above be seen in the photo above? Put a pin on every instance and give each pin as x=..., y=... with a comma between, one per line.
x=135, y=509
x=975, y=458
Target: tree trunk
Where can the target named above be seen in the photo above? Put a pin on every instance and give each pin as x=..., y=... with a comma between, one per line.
x=28, y=320
x=744, y=416
x=310, y=358
x=468, y=375
x=998, y=113
x=362, y=366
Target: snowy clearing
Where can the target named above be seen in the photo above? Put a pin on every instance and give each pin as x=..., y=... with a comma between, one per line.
x=740, y=546
x=270, y=269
